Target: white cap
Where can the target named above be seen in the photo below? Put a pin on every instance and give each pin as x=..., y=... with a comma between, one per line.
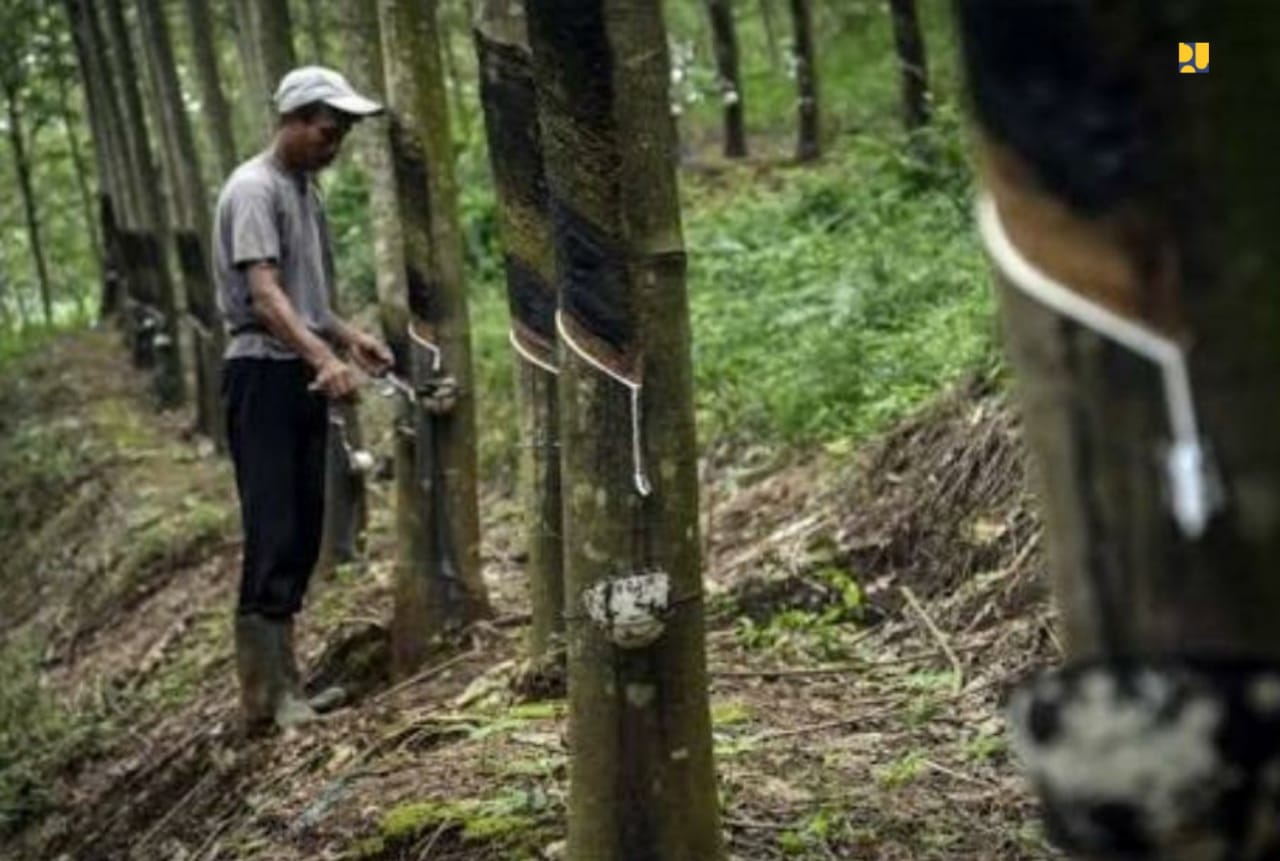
x=309, y=84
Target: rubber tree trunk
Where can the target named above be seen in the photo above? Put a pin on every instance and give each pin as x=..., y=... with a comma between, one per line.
x=724, y=36
x=315, y=31
x=265, y=42
x=363, y=51
x=804, y=59
x=107, y=153
x=192, y=230
x=155, y=295
x=346, y=514
x=770, y=32
x=642, y=783
x=30, y=211
x=911, y=61
x=79, y=169
x=509, y=99
x=441, y=588
x=1152, y=195
x=214, y=107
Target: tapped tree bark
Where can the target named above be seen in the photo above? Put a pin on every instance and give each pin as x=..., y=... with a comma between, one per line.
x=213, y=100
x=911, y=60
x=805, y=63
x=724, y=35
x=442, y=587
x=192, y=232
x=642, y=782
x=155, y=295
x=509, y=98
x=1152, y=196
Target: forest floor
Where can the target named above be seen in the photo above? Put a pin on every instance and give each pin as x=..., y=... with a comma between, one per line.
x=866, y=616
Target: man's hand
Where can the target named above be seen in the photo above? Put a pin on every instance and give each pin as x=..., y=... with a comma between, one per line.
x=370, y=354
x=335, y=378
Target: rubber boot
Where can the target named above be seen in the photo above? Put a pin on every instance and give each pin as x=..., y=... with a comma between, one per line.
x=291, y=706
x=253, y=649
x=270, y=690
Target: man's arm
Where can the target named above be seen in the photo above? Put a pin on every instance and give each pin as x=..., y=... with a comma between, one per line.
x=333, y=376
x=369, y=353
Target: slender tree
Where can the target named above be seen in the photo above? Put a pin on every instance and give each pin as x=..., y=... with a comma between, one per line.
x=509, y=99
x=155, y=293
x=770, y=32
x=265, y=42
x=79, y=168
x=192, y=226
x=442, y=586
x=315, y=17
x=724, y=37
x=19, y=147
x=642, y=783
x=911, y=60
x=213, y=102
x=108, y=152
x=1130, y=214
x=363, y=52
x=805, y=62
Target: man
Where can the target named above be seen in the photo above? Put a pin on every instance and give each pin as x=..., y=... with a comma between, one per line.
x=283, y=362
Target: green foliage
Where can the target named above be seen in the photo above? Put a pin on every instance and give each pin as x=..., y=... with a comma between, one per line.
x=38, y=735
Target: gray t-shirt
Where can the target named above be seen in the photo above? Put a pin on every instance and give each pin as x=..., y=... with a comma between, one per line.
x=267, y=213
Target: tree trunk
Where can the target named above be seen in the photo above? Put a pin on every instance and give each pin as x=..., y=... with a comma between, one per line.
x=213, y=101
x=911, y=59
x=315, y=31
x=22, y=166
x=809, y=143
x=363, y=48
x=1126, y=200
x=265, y=43
x=642, y=783
x=724, y=35
x=192, y=230
x=770, y=32
x=509, y=99
x=81, y=171
x=273, y=31
x=113, y=183
x=155, y=297
x=443, y=588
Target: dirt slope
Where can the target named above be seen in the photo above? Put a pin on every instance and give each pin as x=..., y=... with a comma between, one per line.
x=866, y=617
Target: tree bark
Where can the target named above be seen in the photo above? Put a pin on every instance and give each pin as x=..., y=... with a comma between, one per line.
x=213, y=101
x=509, y=99
x=193, y=228
x=642, y=782
x=30, y=211
x=803, y=55
x=363, y=50
x=911, y=60
x=81, y=171
x=112, y=175
x=443, y=588
x=770, y=32
x=155, y=294
x=1153, y=196
x=724, y=35
x=266, y=47
x=315, y=31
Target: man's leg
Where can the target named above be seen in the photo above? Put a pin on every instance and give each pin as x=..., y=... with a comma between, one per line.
x=270, y=413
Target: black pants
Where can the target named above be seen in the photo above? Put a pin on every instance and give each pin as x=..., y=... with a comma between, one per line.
x=276, y=429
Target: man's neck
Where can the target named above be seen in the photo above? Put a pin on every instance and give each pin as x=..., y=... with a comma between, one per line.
x=279, y=155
